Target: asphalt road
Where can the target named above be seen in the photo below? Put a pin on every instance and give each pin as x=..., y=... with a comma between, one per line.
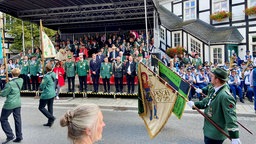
x=123, y=127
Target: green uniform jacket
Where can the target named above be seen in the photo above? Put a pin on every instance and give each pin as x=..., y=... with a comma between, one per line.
x=12, y=93
x=82, y=68
x=24, y=67
x=221, y=108
x=105, y=70
x=33, y=68
x=197, y=62
x=70, y=69
x=48, y=86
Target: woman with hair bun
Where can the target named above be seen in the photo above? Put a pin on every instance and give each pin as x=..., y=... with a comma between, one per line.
x=85, y=124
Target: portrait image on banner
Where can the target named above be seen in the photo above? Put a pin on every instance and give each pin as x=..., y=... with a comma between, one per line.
x=49, y=50
x=157, y=98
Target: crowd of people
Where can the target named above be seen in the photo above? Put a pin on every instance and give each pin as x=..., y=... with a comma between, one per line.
x=197, y=73
x=96, y=57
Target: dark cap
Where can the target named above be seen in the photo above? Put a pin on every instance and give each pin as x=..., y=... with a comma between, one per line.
x=247, y=51
x=189, y=69
x=221, y=73
x=202, y=69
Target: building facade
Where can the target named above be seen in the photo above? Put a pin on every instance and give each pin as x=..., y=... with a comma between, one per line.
x=191, y=24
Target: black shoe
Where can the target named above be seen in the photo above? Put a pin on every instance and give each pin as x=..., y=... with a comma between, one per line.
x=104, y=91
x=8, y=140
x=121, y=91
x=17, y=140
x=241, y=100
x=47, y=124
x=109, y=91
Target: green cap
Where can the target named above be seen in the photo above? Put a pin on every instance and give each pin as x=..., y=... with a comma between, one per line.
x=69, y=56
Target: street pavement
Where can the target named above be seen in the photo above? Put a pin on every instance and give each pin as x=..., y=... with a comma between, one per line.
x=243, y=109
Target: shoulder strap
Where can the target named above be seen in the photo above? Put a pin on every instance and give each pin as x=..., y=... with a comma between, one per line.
x=17, y=84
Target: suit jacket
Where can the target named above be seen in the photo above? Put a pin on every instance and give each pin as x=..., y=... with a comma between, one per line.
x=112, y=54
x=132, y=67
x=95, y=66
x=100, y=58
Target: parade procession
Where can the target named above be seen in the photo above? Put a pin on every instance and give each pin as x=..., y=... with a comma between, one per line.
x=107, y=72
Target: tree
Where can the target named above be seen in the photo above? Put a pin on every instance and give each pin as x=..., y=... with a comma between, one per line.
x=14, y=28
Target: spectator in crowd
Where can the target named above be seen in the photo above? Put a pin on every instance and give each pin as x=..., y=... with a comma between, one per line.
x=69, y=67
x=197, y=61
x=12, y=105
x=48, y=93
x=164, y=60
x=25, y=73
x=2, y=76
x=248, y=57
x=130, y=71
x=105, y=74
x=118, y=68
x=253, y=84
x=234, y=84
x=85, y=124
x=100, y=57
x=113, y=54
x=33, y=71
x=82, y=68
x=191, y=79
x=201, y=81
x=186, y=60
x=247, y=80
x=11, y=66
x=95, y=71
x=59, y=71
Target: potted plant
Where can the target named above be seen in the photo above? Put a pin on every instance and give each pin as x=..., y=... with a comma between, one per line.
x=250, y=11
x=219, y=16
x=171, y=52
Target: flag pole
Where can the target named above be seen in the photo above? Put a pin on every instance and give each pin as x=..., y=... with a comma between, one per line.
x=4, y=53
x=42, y=46
x=206, y=117
x=202, y=94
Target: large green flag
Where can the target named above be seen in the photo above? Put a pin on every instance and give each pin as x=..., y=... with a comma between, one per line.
x=178, y=84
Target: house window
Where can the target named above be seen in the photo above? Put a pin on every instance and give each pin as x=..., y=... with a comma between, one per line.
x=220, y=5
x=252, y=3
x=176, y=39
x=254, y=46
x=162, y=33
x=195, y=46
x=190, y=10
x=217, y=55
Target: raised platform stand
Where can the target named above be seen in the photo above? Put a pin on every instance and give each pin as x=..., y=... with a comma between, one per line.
x=84, y=94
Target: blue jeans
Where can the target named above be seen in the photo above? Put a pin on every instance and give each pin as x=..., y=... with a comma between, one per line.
x=5, y=124
x=48, y=113
x=212, y=141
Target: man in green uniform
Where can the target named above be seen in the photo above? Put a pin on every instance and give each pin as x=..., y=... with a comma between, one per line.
x=33, y=71
x=105, y=73
x=82, y=68
x=12, y=104
x=24, y=74
x=48, y=93
x=70, y=72
x=197, y=61
x=220, y=106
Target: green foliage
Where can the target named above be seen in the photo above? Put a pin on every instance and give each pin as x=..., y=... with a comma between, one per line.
x=14, y=28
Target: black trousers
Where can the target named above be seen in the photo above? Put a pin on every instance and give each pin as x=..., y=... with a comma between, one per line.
x=95, y=81
x=26, y=82
x=2, y=84
x=71, y=84
x=17, y=120
x=212, y=141
x=105, y=83
x=48, y=113
x=119, y=84
x=35, y=83
x=130, y=83
x=82, y=82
